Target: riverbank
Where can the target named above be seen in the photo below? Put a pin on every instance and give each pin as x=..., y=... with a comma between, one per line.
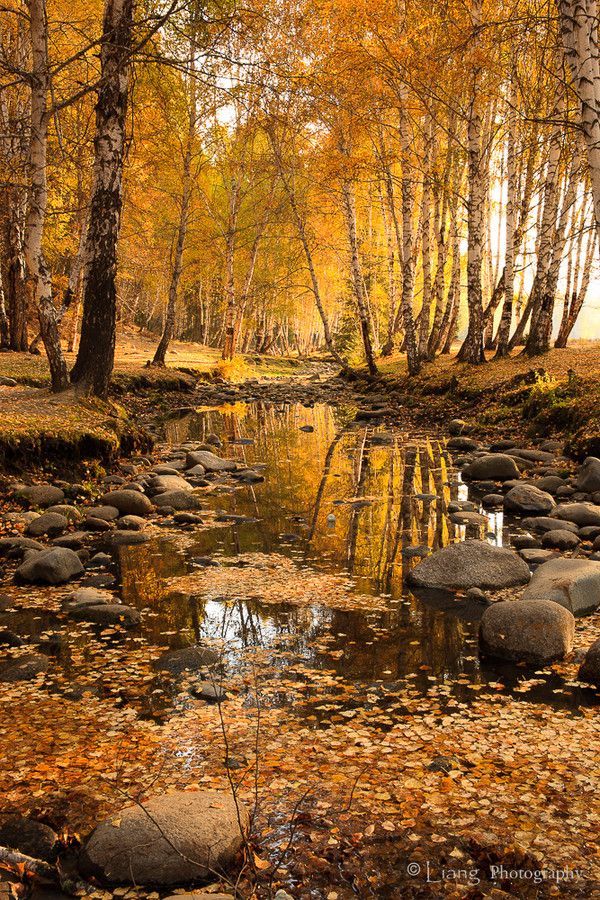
x=554, y=395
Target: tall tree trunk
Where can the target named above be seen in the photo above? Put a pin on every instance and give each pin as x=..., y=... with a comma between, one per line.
x=95, y=358
x=579, y=31
x=408, y=263
x=357, y=277
x=4, y=323
x=426, y=203
x=37, y=268
x=509, y=257
x=472, y=348
x=184, y=211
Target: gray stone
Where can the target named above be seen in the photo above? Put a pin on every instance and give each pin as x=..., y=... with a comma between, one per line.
x=525, y=542
x=91, y=523
x=179, y=500
x=209, y=461
x=527, y=500
x=108, y=513
x=41, y=494
x=470, y=564
x=29, y=837
x=477, y=595
x=210, y=692
x=572, y=583
x=53, y=566
x=533, y=631
x=463, y=444
x=187, y=659
x=74, y=541
x=23, y=668
x=492, y=501
x=16, y=546
x=547, y=523
x=536, y=556
x=49, y=523
x=122, y=538
x=464, y=517
x=106, y=614
x=69, y=512
x=163, y=483
x=186, y=835
x=550, y=484
x=87, y=596
x=533, y=455
x=129, y=503
x=588, y=477
x=132, y=523
x=589, y=670
x=494, y=466
x=560, y=539
x=579, y=513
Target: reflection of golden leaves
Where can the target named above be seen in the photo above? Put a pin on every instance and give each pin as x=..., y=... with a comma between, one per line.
x=270, y=578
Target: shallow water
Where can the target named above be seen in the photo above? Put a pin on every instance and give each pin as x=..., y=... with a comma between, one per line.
x=361, y=500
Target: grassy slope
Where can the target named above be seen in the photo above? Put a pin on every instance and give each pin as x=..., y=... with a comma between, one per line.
x=557, y=393
x=35, y=424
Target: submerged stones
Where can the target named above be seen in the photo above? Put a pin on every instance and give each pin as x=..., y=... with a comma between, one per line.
x=187, y=659
x=532, y=631
x=23, y=668
x=184, y=836
x=470, y=564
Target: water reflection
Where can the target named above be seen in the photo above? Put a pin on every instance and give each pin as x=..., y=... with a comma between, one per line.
x=339, y=496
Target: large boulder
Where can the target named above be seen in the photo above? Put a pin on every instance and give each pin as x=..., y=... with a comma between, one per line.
x=470, y=564
x=170, y=839
x=572, y=583
x=16, y=546
x=588, y=477
x=589, y=670
x=50, y=566
x=181, y=500
x=579, y=513
x=210, y=462
x=129, y=503
x=527, y=500
x=493, y=467
x=41, y=494
x=534, y=631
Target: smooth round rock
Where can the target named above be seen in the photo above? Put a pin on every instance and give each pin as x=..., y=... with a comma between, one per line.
x=185, y=836
x=533, y=631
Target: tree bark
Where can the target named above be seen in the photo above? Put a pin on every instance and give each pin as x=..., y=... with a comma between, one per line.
x=579, y=32
x=37, y=269
x=184, y=212
x=357, y=277
x=95, y=358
